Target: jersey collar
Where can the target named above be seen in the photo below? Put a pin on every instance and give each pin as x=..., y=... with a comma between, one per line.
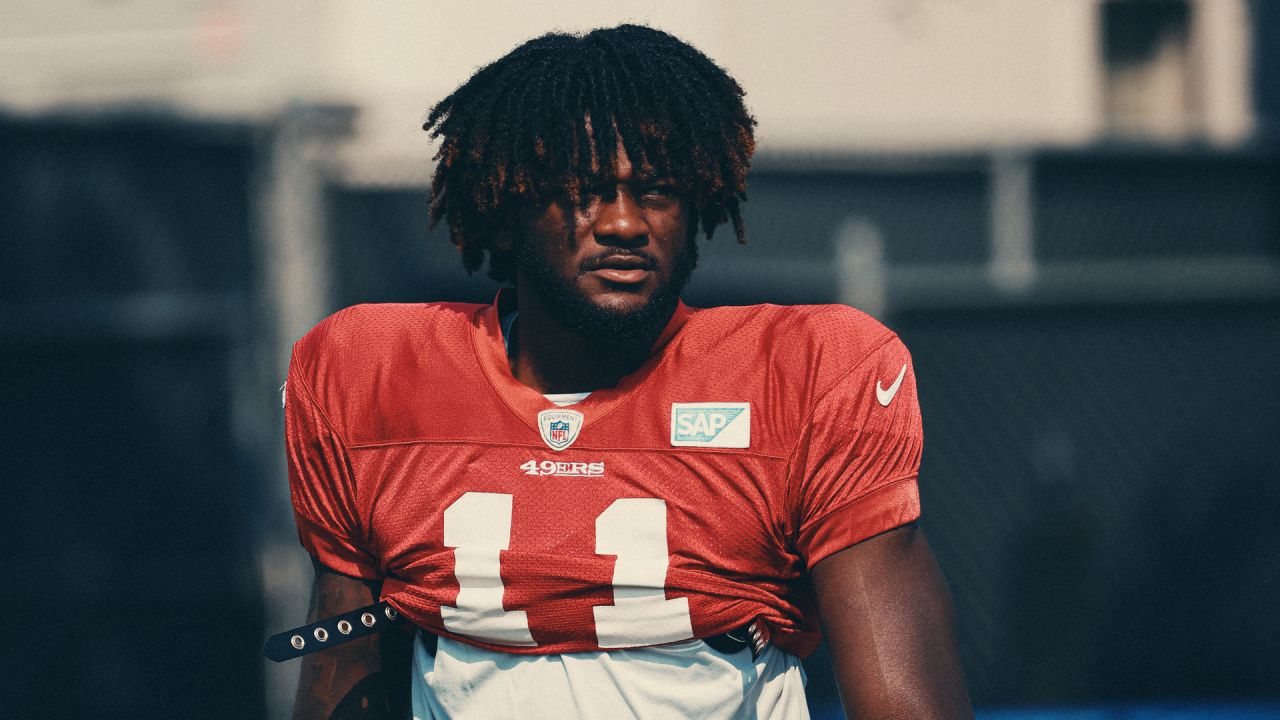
x=526, y=402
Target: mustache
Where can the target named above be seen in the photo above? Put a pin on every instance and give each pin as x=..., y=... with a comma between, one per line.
x=596, y=262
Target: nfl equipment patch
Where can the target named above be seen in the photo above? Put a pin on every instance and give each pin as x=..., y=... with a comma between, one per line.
x=711, y=424
x=559, y=427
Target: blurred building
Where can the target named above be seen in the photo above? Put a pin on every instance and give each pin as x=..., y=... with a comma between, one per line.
x=892, y=74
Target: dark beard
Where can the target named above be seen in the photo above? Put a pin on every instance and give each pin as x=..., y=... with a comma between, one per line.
x=626, y=333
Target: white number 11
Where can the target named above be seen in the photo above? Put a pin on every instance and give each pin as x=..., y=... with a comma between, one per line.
x=478, y=527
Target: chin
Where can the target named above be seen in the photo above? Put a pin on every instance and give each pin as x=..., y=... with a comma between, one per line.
x=620, y=303
x=623, y=321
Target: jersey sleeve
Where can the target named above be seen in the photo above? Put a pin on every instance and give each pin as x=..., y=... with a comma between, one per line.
x=855, y=466
x=322, y=486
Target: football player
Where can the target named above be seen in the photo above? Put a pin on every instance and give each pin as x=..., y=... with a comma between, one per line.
x=586, y=498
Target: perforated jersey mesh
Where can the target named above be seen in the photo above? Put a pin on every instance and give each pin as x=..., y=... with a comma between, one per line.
x=419, y=408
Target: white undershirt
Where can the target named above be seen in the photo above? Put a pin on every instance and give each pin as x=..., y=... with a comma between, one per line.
x=566, y=399
x=677, y=680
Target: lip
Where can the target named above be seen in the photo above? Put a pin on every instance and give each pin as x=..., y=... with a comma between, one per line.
x=622, y=275
x=621, y=269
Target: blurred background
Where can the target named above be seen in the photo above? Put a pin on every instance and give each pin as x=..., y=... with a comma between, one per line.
x=1068, y=209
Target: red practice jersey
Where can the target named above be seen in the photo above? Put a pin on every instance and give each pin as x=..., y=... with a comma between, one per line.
x=687, y=501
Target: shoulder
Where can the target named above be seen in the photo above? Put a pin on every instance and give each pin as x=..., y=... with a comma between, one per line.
x=361, y=335
x=820, y=342
x=359, y=358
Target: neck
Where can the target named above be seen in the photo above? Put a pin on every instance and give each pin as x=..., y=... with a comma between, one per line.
x=550, y=358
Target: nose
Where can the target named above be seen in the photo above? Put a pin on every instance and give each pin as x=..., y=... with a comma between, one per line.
x=620, y=220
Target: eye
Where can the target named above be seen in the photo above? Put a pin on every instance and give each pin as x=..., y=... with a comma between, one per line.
x=659, y=191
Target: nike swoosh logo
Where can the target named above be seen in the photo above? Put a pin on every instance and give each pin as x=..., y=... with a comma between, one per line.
x=886, y=396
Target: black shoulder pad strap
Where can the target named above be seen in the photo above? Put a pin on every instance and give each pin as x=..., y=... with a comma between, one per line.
x=330, y=631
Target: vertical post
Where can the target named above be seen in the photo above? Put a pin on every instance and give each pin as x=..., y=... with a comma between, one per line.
x=1221, y=47
x=293, y=293
x=1012, y=267
x=863, y=276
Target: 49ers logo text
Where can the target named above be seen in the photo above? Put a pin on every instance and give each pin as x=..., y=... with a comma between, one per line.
x=567, y=469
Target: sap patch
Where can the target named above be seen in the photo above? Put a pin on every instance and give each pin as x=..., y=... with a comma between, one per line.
x=711, y=424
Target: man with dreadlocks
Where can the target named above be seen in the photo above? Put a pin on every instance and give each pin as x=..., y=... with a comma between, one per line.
x=589, y=499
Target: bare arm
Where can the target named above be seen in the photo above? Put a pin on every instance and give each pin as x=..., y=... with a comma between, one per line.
x=365, y=678
x=888, y=618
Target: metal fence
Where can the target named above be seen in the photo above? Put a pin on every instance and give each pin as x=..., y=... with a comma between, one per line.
x=126, y=335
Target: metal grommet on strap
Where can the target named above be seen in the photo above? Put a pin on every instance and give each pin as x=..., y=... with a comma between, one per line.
x=759, y=640
x=331, y=631
x=747, y=637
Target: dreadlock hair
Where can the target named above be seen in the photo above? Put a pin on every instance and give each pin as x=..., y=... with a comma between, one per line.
x=544, y=122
